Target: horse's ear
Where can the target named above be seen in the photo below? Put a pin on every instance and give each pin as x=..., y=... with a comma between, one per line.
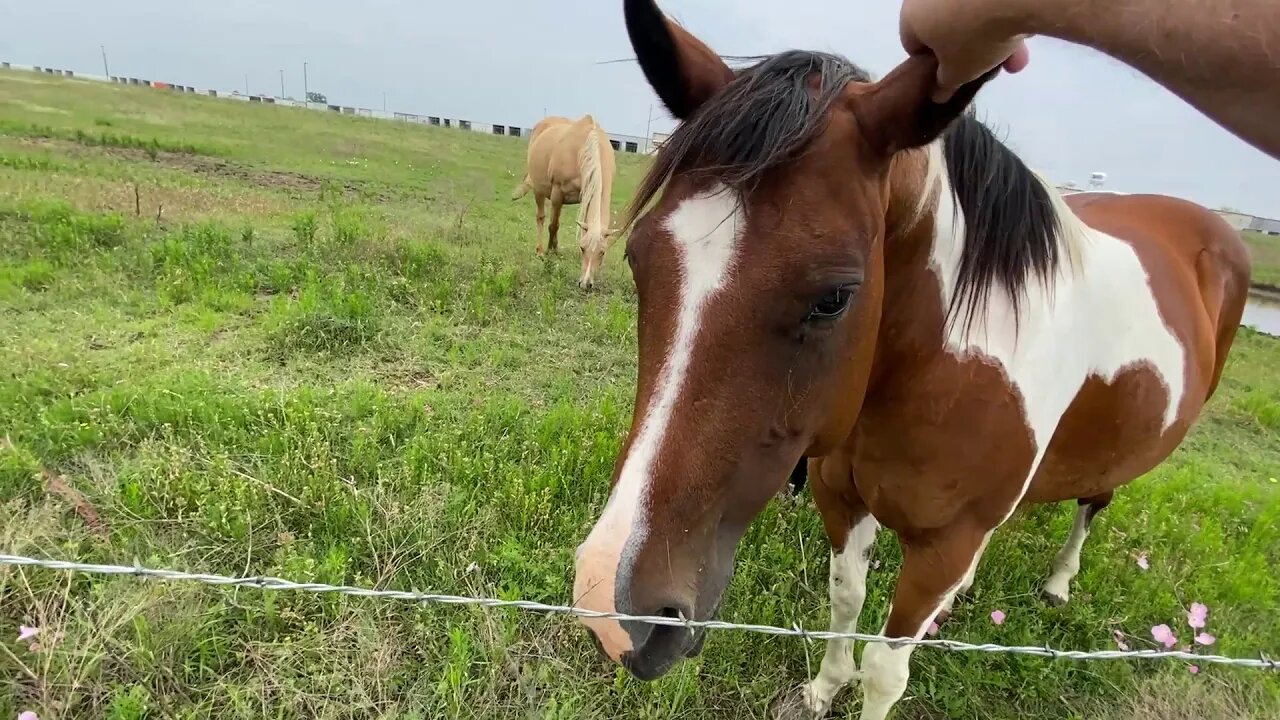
x=682, y=70
x=898, y=112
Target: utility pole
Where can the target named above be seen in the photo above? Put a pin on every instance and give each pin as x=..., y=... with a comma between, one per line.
x=306, y=92
x=246, y=83
x=648, y=130
x=105, y=69
x=281, y=84
x=384, y=102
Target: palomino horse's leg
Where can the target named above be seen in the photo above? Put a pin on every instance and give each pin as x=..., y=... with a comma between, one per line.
x=557, y=202
x=541, y=201
x=852, y=531
x=934, y=566
x=1065, y=566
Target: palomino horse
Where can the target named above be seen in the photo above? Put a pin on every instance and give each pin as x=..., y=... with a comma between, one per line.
x=844, y=270
x=570, y=163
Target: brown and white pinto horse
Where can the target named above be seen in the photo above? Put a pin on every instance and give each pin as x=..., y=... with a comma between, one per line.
x=843, y=270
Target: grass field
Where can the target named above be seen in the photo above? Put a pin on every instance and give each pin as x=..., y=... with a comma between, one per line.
x=254, y=340
x=1265, y=250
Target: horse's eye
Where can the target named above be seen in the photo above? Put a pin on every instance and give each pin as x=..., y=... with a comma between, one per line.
x=832, y=305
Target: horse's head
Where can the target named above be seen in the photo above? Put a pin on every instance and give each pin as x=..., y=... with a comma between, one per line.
x=759, y=272
x=594, y=242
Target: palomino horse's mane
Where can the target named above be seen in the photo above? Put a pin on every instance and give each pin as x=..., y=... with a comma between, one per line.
x=770, y=114
x=595, y=207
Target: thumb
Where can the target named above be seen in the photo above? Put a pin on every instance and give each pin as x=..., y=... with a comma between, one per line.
x=948, y=82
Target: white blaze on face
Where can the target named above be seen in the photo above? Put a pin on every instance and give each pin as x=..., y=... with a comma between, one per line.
x=704, y=230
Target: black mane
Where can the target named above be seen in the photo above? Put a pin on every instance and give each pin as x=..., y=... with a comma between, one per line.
x=769, y=115
x=1011, y=231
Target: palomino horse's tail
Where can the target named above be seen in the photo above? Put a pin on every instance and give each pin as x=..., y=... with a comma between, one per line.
x=522, y=189
x=595, y=214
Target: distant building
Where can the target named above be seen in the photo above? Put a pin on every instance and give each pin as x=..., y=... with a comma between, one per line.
x=1268, y=226
x=1236, y=219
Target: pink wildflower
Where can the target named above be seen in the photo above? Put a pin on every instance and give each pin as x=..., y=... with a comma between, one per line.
x=1197, y=615
x=1164, y=636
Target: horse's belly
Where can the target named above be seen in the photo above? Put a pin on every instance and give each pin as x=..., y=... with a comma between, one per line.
x=1112, y=433
x=956, y=439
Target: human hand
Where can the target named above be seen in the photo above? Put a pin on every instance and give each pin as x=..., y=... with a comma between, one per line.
x=969, y=37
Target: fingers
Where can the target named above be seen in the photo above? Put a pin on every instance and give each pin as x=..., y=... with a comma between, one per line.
x=1018, y=61
x=1012, y=56
x=910, y=40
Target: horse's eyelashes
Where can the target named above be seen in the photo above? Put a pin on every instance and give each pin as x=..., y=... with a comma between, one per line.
x=832, y=305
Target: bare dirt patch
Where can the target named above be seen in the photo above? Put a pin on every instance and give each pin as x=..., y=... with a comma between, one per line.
x=280, y=180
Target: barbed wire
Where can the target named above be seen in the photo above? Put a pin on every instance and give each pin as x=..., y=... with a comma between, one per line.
x=263, y=582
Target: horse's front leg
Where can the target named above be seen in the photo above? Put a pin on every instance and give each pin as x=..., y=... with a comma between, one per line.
x=935, y=565
x=852, y=532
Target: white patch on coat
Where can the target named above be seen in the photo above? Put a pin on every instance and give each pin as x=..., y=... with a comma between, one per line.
x=1097, y=318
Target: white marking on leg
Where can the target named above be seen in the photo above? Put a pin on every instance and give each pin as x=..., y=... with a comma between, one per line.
x=1067, y=564
x=885, y=673
x=886, y=670
x=848, y=593
x=705, y=229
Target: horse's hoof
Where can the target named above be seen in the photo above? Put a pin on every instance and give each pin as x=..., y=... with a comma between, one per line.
x=797, y=705
x=1054, y=599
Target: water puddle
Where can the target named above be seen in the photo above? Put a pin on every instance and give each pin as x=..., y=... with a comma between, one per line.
x=1262, y=314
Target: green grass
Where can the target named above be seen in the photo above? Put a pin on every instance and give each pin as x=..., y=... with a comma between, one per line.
x=1265, y=251
x=335, y=357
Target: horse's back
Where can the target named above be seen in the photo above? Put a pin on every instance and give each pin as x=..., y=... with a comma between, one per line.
x=1204, y=254
x=543, y=142
x=566, y=162
x=546, y=124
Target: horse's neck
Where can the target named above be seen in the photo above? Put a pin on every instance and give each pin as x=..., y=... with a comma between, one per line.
x=913, y=311
x=923, y=256
x=915, y=183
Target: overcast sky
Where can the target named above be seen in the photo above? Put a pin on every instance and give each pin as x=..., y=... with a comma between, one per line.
x=506, y=61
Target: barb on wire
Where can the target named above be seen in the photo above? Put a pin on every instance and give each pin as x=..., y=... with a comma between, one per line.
x=274, y=583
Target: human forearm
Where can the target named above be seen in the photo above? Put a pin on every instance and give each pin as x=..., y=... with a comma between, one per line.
x=1222, y=56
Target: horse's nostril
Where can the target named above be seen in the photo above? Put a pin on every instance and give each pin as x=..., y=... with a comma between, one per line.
x=676, y=613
